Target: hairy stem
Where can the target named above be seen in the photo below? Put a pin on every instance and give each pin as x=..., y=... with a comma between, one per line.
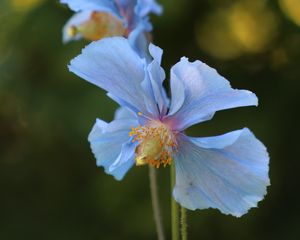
x=174, y=207
x=183, y=223
x=155, y=204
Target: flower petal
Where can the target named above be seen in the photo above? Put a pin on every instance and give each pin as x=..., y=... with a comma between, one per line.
x=205, y=92
x=227, y=172
x=107, y=141
x=92, y=5
x=124, y=113
x=125, y=158
x=156, y=52
x=144, y=7
x=114, y=66
x=157, y=76
x=139, y=41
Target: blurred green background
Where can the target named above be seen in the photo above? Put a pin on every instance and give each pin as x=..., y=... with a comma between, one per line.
x=50, y=187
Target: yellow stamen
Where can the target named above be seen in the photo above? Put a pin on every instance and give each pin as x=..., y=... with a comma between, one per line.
x=100, y=25
x=72, y=31
x=156, y=144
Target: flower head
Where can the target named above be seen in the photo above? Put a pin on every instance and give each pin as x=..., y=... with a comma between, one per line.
x=227, y=172
x=97, y=19
x=156, y=144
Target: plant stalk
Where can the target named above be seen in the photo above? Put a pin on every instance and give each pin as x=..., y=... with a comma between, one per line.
x=155, y=204
x=174, y=207
x=183, y=222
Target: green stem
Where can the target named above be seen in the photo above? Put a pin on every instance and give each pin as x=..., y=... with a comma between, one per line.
x=183, y=224
x=174, y=207
x=155, y=204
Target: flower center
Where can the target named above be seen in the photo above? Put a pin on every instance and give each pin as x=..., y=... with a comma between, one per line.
x=156, y=144
x=100, y=25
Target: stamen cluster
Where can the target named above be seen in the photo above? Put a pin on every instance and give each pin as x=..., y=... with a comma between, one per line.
x=156, y=144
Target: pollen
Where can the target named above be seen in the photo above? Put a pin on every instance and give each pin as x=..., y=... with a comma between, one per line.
x=156, y=144
x=100, y=25
x=72, y=31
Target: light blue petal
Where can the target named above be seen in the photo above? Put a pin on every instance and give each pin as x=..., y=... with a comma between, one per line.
x=157, y=76
x=124, y=113
x=113, y=65
x=227, y=172
x=92, y=5
x=205, y=92
x=144, y=7
x=156, y=52
x=120, y=172
x=126, y=6
x=139, y=41
x=178, y=93
x=122, y=103
x=153, y=82
x=143, y=119
x=76, y=20
x=126, y=155
x=126, y=9
x=107, y=141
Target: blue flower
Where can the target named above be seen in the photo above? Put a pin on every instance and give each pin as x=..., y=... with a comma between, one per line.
x=96, y=19
x=227, y=172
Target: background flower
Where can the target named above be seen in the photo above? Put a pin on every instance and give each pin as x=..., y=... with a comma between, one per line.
x=97, y=19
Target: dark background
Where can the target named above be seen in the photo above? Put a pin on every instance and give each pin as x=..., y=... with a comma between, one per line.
x=50, y=187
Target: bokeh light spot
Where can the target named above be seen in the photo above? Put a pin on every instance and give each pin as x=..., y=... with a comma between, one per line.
x=291, y=8
x=253, y=24
x=213, y=36
x=25, y=5
x=247, y=26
